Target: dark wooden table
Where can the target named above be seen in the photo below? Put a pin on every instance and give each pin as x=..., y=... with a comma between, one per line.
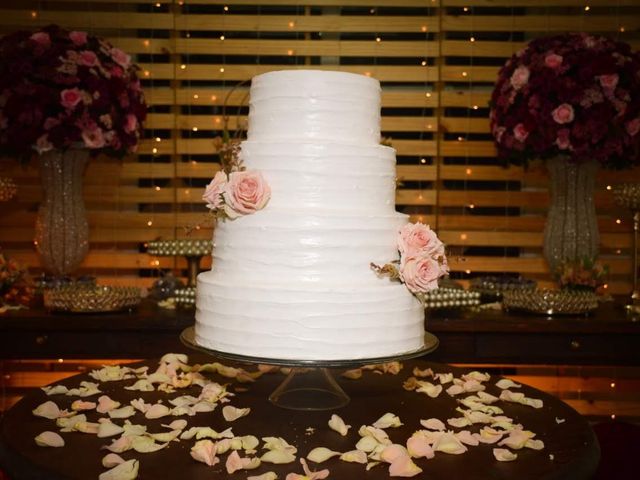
x=571, y=450
x=608, y=337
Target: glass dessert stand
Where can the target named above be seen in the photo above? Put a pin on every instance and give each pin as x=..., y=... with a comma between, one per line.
x=310, y=384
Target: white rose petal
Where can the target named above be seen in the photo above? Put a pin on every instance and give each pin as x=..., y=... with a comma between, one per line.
x=336, y=423
x=125, y=471
x=504, y=455
x=231, y=413
x=321, y=454
x=49, y=439
x=111, y=460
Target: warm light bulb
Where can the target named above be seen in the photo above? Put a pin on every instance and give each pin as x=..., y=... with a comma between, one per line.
x=34, y=14
x=608, y=187
x=146, y=73
x=217, y=120
x=423, y=63
x=221, y=37
x=158, y=5
x=213, y=98
x=183, y=66
x=226, y=8
x=195, y=95
x=467, y=272
x=472, y=206
x=149, y=223
x=221, y=69
x=587, y=8
x=378, y=39
x=472, y=39
x=146, y=43
x=158, y=139
x=61, y=360
x=622, y=29
x=475, y=107
x=613, y=384
x=157, y=188
x=372, y=11
x=154, y=150
x=429, y=127
x=463, y=236
x=464, y=74
x=618, y=251
x=460, y=139
x=423, y=28
x=465, y=9
x=292, y=24
x=618, y=221
x=420, y=197
x=195, y=129
x=613, y=416
x=289, y=52
x=468, y=171
x=423, y=160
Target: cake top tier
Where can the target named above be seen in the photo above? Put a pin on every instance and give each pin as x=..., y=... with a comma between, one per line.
x=303, y=105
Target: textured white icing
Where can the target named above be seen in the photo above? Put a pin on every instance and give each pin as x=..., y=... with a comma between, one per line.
x=314, y=105
x=293, y=281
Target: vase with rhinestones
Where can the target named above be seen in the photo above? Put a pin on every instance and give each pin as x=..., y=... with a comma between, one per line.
x=571, y=229
x=62, y=231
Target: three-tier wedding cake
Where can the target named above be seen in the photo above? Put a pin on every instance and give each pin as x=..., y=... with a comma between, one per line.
x=294, y=279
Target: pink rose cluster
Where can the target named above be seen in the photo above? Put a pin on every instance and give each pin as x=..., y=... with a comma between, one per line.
x=572, y=94
x=422, y=258
x=60, y=89
x=239, y=193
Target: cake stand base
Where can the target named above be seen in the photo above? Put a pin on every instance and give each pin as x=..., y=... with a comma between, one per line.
x=310, y=385
x=309, y=389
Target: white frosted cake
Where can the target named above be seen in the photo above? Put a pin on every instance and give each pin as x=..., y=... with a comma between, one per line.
x=293, y=280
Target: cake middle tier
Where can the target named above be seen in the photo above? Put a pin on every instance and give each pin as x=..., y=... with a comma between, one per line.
x=295, y=247
x=325, y=177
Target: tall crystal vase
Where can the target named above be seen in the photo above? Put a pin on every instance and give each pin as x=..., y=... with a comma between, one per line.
x=62, y=232
x=571, y=230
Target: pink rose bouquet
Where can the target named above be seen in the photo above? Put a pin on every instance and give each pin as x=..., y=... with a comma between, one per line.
x=242, y=192
x=61, y=89
x=572, y=94
x=422, y=259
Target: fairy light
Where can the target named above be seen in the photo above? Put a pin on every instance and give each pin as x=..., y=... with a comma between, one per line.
x=195, y=96
x=146, y=43
x=472, y=39
x=463, y=236
x=587, y=8
x=149, y=223
x=158, y=5
x=468, y=171
x=420, y=197
x=187, y=192
x=423, y=63
x=147, y=73
x=475, y=107
x=226, y=8
x=217, y=120
x=372, y=11
x=158, y=139
x=465, y=9
x=222, y=37
x=61, y=360
x=423, y=160
x=292, y=24
x=622, y=29
x=464, y=74
x=157, y=188
x=618, y=251
x=221, y=69
x=460, y=139
x=34, y=14
x=608, y=187
x=428, y=94
x=378, y=39
x=613, y=384
x=289, y=52
x=472, y=206
x=605, y=286
x=429, y=127
x=618, y=221
x=195, y=129
x=154, y=150
x=613, y=416
x=468, y=272
x=423, y=28
x=183, y=67
x=213, y=98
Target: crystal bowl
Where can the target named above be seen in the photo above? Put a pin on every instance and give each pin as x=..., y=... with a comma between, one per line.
x=91, y=298
x=627, y=195
x=551, y=302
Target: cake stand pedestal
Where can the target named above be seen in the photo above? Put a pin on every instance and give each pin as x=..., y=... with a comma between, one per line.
x=310, y=385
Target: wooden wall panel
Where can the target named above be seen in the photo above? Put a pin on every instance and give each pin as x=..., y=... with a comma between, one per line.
x=437, y=61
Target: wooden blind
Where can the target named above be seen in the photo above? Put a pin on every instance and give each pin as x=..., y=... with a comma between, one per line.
x=437, y=61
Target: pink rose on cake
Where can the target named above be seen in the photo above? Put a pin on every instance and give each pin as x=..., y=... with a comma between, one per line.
x=246, y=192
x=417, y=238
x=213, y=192
x=242, y=192
x=420, y=274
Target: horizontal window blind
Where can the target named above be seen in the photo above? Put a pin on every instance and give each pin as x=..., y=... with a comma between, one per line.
x=437, y=61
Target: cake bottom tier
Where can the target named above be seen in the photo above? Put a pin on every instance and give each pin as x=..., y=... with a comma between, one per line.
x=317, y=323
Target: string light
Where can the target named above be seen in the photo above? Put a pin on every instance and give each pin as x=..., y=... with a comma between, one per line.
x=372, y=11
x=378, y=39
x=622, y=29
x=158, y=5
x=618, y=251
x=187, y=192
x=157, y=188
x=158, y=139
x=146, y=43
x=154, y=150
x=465, y=9
x=34, y=14
x=221, y=69
x=613, y=384
x=292, y=24
x=217, y=120
x=428, y=94
x=608, y=187
x=183, y=66
x=472, y=39
x=423, y=160
x=420, y=197
x=289, y=52
x=195, y=129
x=475, y=107
x=423, y=63
x=468, y=171
x=613, y=416
x=226, y=8
x=61, y=360
x=587, y=8
x=195, y=95
x=149, y=223
x=460, y=139
x=429, y=127
x=618, y=221
x=463, y=236
x=423, y=28
x=222, y=37
x=213, y=98
x=472, y=206
x=147, y=73
x=468, y=272
x=464, y=74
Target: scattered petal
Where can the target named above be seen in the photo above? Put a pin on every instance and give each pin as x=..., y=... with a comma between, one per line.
x=388, y=420
x=55, y=390
x=391, y=452
x=146, y=445
x=68, y=424
x=124, y=412
x=429, y=388
x=82, y=405
x=49, y=439
x=489, y=435
x=449, y=443
x=205, y=451
x=433, y=424
x=419, y=445
x=477, y=376
x=459, y=422
x=120, y=445
x=49, y=410
x=235, y=462
x=354, y=456
x=443, y=378
x=517, y=439
x=427, y=372
x=142, y=385
x=264, y=476
x=177, y=425
x=336, y=423
x=534, y=444
x=454, y=390
x=560, y=420
x=504, y=455
x=157, y=411
x=505, y=383
x=278, y=457
x=367, y=444
x=354, y=374
x=487, y=397
x=108, y=429
x=321, y=454
x=403, y=466
x=165, y=437
x=125, y=471
x=466, y=437
x=111, y=460
x=105, y=404
x=278, y=443
x=87, y=427
x=86, y=389
x=231, y=413
x=111, y=373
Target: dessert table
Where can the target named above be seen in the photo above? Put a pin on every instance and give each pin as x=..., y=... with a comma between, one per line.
x=570, y=449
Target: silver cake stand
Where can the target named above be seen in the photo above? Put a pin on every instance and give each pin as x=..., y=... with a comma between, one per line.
x=310, y=385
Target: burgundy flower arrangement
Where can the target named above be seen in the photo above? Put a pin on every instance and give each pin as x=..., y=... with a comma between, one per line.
x=572, y=94
x=61, y=89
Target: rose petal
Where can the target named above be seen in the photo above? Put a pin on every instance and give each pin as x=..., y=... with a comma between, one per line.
x=48, y=410
x=433, y=424
x=354, y=456
x=55, y=390
x=487, y=397
x=427, y=372
x=336, y=423
x=313, y=475
x=205, y=451
x=264, y=476
x=466, y=437
x=478, y=376
x=125, y=471
x=321, y=454
x=517, y=439
x=86, y=389
x=157, y=411
x=233, y=463
x=505, y=383
x=459, y=422
x=111, y=460
x=124, y=412
x=278, y=443
x=120, y=445
x=105, y=404
x=140, y=405
x=454, y=390
x=142, y=385
x=449, y=443
x=443, y=378
x=388, y=420
x=418, y=445
x=177, y=425
x=367, y=444
x=430, y=389
x=165, y=437
x=87, y=427
x=534, y=444
x=68, y=424
x=353, y=374
x=489, y=435
x=231, y=413
x=504, y=455
x=49, y=439
x=391, y=452
x=146, y=445
x=278, y=457
x=132, y=430
x=403, y=466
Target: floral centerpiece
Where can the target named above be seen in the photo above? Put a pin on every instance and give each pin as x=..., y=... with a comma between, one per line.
x=61, y=89
x=16, y=288
x=583, y=274
x=66, y=96
x=573, y=100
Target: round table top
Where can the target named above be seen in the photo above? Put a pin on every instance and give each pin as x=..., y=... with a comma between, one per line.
x=571, y=450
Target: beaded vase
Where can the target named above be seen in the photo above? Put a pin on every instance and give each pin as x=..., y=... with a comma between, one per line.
x=62, y=232
x=571, y=229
